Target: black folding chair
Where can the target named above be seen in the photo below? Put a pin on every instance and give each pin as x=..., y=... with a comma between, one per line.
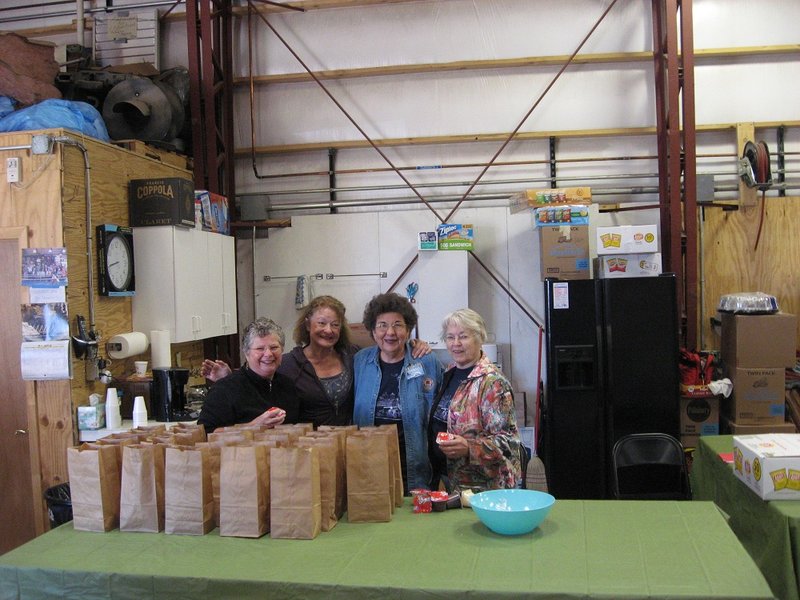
x=650, y=466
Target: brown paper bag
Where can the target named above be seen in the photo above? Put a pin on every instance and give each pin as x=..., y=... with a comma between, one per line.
x=394, y=463
x=295, y=504
x=149, y=430
x=142, y=494
x=214, y=452
x=340, y=435
x=368, y=485
x=94, y=486
x=231, y=437
x=244, y=491
x=328, y=476
x=188, y=501
x=197, y=431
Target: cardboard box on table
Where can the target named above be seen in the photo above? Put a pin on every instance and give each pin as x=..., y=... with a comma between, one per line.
x=769, y=464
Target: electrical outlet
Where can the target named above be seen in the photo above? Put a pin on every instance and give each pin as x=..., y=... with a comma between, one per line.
x=12, y=169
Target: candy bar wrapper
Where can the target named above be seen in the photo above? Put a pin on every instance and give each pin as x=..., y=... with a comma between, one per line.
x=94, y=486
x=188, y=498
x=328, y=476
x=244, y=491
x=295, y=504
x=142, y=493
x=369, y=498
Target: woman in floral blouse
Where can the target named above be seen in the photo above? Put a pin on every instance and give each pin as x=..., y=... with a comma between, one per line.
x=475, y=405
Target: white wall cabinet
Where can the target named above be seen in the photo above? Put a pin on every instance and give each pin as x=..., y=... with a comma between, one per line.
x=185, y=282
x=442, y=278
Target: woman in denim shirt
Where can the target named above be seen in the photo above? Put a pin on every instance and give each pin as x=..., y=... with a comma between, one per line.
x=393, y=387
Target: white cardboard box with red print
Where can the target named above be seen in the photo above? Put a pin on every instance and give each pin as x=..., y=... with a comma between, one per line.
x=769, y=464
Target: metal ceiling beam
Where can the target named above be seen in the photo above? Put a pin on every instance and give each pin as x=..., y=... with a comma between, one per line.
x=209, y=28
x=677, y=162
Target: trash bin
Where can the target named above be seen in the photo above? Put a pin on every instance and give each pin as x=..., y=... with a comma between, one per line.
x=59, y=504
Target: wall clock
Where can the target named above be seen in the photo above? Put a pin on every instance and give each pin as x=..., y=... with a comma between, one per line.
x=115, y=260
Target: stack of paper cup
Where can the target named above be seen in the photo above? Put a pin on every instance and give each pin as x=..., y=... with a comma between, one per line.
x=139, y=412
x=113, y=418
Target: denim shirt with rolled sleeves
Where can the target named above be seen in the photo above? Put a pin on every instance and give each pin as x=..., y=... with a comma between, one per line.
x=416, y=398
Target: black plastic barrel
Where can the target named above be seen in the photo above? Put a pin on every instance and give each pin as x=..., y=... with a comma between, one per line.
x=59, y=504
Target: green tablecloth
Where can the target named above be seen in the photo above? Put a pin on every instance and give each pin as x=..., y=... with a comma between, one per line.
x=770, y=531
x=585, y=549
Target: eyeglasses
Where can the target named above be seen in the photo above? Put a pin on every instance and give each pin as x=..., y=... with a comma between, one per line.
x=383, y=326
x=462, y=337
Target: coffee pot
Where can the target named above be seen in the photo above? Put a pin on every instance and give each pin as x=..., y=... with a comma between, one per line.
x=168, y=396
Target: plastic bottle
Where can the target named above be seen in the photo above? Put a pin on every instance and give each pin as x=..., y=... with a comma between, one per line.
x=113, y=418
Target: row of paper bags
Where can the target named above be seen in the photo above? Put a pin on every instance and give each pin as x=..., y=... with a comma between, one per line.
x=290, y=481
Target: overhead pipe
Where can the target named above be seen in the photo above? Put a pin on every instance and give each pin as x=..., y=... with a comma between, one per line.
x=408, y=200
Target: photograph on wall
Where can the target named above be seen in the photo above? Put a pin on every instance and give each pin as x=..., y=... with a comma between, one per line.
x=45, y=322
x=44, y=267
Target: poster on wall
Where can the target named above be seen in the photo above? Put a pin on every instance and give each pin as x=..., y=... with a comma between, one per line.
x=45, y=322
x=44, y=267
x=45, y=360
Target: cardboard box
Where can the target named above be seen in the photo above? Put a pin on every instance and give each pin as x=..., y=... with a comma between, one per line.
x=700, y=416
x=533, y=198
x=758, y=396
x=627, y=239
x=769, y=464
x=758, y=340
x=734, y=428
x=564, y=251
x=166, y=201
x=427, y=241
x=453, y=236
x=214, y=211
x=616, y=266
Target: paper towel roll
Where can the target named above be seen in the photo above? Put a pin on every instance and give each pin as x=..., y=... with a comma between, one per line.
x=126, y=344
x=160, y=354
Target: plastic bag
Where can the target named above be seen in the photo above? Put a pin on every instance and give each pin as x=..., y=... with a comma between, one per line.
x=54, y=113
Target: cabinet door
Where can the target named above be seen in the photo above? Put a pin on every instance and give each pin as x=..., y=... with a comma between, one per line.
x=154, y=261
x=228, y=278
x=214, y=288
x=196, y=285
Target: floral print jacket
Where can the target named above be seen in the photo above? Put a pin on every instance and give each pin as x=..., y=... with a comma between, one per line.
x=482, y=411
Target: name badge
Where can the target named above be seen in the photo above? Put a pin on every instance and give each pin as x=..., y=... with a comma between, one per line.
x=414, y=370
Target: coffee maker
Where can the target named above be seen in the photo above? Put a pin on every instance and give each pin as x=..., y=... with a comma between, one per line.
x=168, y=396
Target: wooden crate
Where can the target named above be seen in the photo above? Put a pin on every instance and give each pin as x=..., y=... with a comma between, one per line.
x=174, y=159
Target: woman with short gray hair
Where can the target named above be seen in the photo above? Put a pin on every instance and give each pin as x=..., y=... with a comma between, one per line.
x=472, y=430
x=256, y=393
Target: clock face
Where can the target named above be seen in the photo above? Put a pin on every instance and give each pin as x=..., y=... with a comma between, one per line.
x=119, y=262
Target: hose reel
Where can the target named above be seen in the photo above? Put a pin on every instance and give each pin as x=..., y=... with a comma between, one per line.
x=754, y=166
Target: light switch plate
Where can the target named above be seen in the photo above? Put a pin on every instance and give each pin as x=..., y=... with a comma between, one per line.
x=12, y=169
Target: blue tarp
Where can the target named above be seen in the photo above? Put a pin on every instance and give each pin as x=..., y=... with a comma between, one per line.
x=55, y=114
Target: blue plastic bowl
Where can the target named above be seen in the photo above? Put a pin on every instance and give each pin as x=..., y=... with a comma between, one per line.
x=512, y=512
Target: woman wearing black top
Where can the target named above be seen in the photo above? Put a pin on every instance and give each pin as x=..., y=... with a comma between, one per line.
x=256, y=393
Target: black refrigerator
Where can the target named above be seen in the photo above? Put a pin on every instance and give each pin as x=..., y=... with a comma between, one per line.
x=612, y=369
